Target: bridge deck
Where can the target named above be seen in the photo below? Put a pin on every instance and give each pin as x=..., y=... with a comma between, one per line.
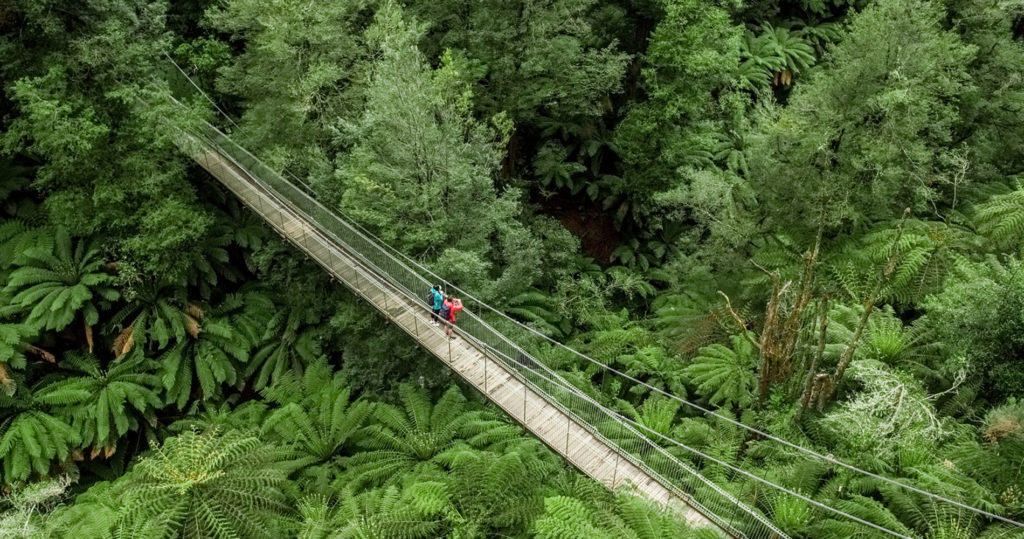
x=561, y=432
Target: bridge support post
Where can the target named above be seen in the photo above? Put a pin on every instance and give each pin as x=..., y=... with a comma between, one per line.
x=615, y=471
x=485, y=376
x=568, y=427
x=524, y=402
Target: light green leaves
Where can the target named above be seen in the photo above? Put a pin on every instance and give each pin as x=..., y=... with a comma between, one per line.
x=725, y=375
x=54, y=286
x=31, y=440
x=99, y=401
x=199, y=485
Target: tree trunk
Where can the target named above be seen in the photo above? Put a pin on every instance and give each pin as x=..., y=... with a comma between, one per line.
x=822, y=333
x=782, y=333
x=828, y=390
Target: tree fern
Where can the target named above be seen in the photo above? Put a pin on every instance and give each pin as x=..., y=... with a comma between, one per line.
x=16, y=236
x=725, y=375
x=417, y=511
x=54, y=286
x=926, y=253
x=627, y=517
x=197, y=485
x=290, y=341
x=32, y=439
x=656, y=367
x=861, y=507
x=13, y=343
x=99, y=402
x=211, y=359
x=498, y=493
x=409, y=438
x=318, y=421
x=657, y=413
x=773, y=57
x=1001, y=218
x=157, y=314
x=540, y=311
x=209, y=260
x=689, y=320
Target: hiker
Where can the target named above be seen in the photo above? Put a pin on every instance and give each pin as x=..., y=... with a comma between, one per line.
x=449, y=310
x=435, y=299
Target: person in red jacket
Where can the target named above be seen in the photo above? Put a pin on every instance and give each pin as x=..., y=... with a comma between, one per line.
x=452, y=306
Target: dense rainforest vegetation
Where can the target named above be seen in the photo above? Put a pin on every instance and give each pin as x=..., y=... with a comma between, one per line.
x=806, y=215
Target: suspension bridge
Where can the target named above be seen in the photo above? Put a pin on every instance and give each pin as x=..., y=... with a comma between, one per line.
x=502, y=364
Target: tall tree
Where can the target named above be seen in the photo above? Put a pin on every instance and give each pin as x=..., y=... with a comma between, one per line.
x=870, y=133
x=86, y=82
x=420, y=169
x=690, y=59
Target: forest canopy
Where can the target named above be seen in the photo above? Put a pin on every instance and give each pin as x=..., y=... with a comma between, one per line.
x=787, y=227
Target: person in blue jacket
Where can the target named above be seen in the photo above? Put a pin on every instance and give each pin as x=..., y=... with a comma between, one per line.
x=435, y=318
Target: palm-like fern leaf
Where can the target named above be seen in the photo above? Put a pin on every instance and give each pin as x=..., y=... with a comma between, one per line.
x=411, y=437
x=318, y=421
x=199, y=485
x=31, y=439
x=417, y=511
x=98, y=402
x=53, y=286
x=289, y=342
x=725, y=375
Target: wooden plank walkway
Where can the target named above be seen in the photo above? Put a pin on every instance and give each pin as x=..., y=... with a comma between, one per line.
x=562, y=432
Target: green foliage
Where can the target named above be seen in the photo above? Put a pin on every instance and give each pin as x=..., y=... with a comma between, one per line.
x=297, y=90
x=24, y=509
x=316, y=418
x=926, y=253
x=17, y=236
x=540, y=61
x=199, y=485
x=411, y=438
x=691, y=55
x=154, y=315
x=978, y=319
x=539, y=310
x=13, y=340
x=419, y=158
x=493, y=491
x=656, y=413
x=98, y=401
x=31, y=439
x=868, y=135
x=289, y=343
x=215, y=356
x=725, y=375
x=626, y=516
x=416, y=511
x=1000, y=218
x=53, y=286
x=709, y=135
x=773, y=57
x=890, y=411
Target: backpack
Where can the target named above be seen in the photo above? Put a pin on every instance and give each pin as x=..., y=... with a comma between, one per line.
x=430, y=298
